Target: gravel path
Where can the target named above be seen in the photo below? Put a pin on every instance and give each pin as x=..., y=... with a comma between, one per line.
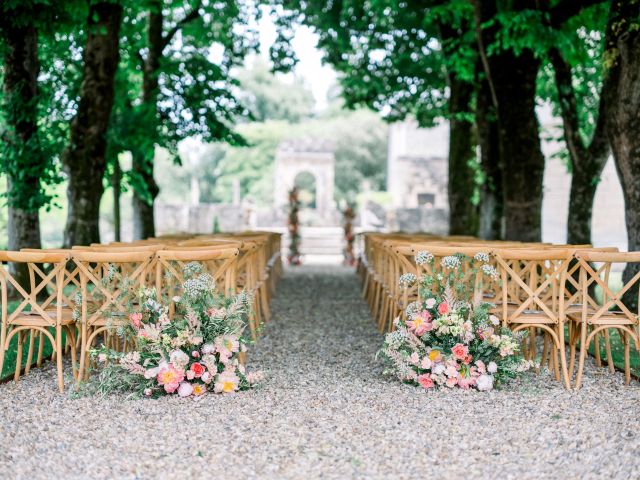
x=325, y=411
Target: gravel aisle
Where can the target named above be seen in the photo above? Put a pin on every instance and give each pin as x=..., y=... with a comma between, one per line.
x=325, y=411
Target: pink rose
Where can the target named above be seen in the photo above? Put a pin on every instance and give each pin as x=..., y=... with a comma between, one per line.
x=425, y=381
x=198, y=369
x=206, y=377
x=465, y=383
x=195, y=354
x=451, y=382
x=136, y=319
x=443, y=308
x=459, y=351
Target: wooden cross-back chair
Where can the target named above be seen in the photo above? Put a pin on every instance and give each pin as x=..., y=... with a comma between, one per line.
x=40, y=308
x=532, y=282
x=247, y=272
x=602, y=308
x=220, y=263
x=104, y=297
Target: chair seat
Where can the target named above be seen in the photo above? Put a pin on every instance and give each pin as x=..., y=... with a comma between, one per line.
x=609, y=318
x=36, y=320
x=532, y=316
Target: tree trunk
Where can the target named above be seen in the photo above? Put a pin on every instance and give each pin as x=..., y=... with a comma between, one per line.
x=621, y=91
x=143, y=200
x=587, y=161
x=20, y=93
x=143, y=217
x=84, y=158
x=491, y=194
x=512, y=81
x=115, y=185
x=518, y=132
x=463, y=214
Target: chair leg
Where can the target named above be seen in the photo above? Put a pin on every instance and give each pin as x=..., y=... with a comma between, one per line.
x=32, y=337
x=71, y=343
x=545, y=352
x=16, y=375
x=58, y=349
x=596, y=349
x=583, y=353
x=562, y=350
x=573, y=340
x=83, y=355
x=607, y=346
x=40, y=349
x=627, y=364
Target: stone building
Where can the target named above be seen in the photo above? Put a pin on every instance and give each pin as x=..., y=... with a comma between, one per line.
x=417, y=174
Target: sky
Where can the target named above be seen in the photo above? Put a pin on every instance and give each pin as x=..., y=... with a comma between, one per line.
x=320, y=78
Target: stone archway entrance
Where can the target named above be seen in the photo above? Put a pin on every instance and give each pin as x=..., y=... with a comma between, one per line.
x=307, y=156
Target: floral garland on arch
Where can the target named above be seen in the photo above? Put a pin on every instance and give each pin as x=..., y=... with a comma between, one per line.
x=294, y=235
x=448, y=339
x=349, y=237
x=195, y=352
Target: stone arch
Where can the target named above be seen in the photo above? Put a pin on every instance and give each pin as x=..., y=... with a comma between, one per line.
x=307, y=184
x=314, y=156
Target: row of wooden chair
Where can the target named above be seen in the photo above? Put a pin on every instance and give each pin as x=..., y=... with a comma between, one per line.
x=91, y=279
x=563, y=292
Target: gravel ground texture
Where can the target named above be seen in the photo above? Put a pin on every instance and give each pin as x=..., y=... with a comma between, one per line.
x=324, y=411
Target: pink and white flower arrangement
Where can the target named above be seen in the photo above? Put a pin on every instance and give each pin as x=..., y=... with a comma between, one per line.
x=448, y=340
x=193, y=352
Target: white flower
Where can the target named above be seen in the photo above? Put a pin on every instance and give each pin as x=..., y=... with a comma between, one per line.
x=102, y=357
x=206, y=377
x=438, y=369
x=423, y=257
x=179, y=358
x=151, y=373
x=185, y=389
x=481, y=257
x=490, y=271
x=176, y=299
x=493, y=319
x=430, y=303
x=208, y=349
x=407, y=279
x=485, y=382
x=148, y=392
x=451, y=261
x=492, y=367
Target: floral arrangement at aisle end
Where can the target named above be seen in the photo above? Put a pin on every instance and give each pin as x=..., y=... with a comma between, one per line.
x=294, y=235
x=349, y=237
x=195, y=352
x=448, y=339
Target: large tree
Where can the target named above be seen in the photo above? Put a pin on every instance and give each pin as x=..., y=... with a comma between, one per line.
x=411, y=60
x=584, y=117
x=179, y=55
x=28, y=148
x=85, y=156
x=621, y=93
